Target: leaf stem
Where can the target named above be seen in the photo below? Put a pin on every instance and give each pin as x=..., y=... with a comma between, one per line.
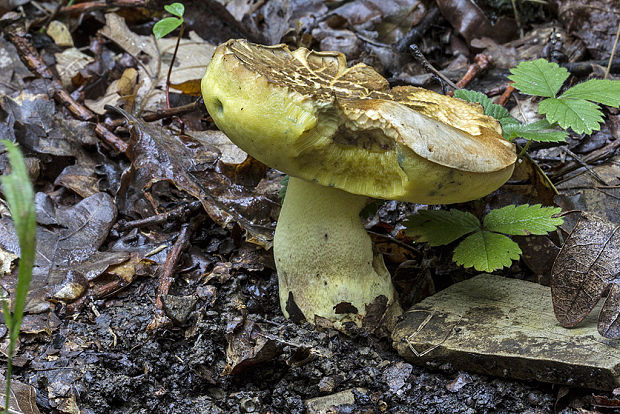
x=174, y=55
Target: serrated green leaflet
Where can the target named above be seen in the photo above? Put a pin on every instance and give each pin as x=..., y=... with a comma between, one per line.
x=538, y=77
x=438, y=227
x=523, y=219
x=603, y=91
x=165, y=26
x=486, y=251
x=496, y=111
x=580, y=115
x=536, y=131
x=176, y=9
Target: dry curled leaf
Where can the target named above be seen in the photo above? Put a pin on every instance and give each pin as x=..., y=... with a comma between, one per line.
x=609, y=318
x=587, y=264
x=247, y=346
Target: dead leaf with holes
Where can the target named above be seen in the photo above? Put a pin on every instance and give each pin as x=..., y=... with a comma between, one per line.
x=588, y=265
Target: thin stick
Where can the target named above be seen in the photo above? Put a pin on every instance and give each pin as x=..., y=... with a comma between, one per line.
x=174, y=56
x=417, y=54
x=167, y=275
x=613, y=51
x=176, y=111
x=586, y=166
x=179, y=213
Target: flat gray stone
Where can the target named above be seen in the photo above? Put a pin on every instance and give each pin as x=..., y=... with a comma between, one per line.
x=506, y=327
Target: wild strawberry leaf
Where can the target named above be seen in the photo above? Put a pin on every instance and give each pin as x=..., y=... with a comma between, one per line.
x=538, y=77
x=580, y=115
x=523, y=219
x=536, y=131
x=438, y=227
x=486, y=251
x=491, y=109
x=603, y=91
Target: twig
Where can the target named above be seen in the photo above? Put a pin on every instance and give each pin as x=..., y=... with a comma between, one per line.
x=481, y=63
x=416, y=32
x=179, y=213
x=613, y=51
x=587, y=67
x=506, y=95
x=86, y=7
x=177, y=111
x=597, y=155
x=396, y=241
x=419, y=57
x=167, y=275
x=586, y=166
x=31, y=58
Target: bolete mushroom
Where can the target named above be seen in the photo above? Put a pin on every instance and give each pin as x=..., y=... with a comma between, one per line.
x=343, y=136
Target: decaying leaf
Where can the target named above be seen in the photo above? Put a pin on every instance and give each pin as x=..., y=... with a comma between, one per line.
x=191, y=165
x=68, y=65
x=609, y=318
x=587, y=264
x=247, y=347
x=22, y=400
x=67, y=254
x=192, y=57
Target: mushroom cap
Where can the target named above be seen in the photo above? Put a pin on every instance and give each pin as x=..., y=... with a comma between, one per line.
x=309, y=115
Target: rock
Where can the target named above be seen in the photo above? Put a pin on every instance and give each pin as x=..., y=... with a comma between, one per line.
x=396, y=377
x=178, y=308
x=506, y=327
x=321, y=405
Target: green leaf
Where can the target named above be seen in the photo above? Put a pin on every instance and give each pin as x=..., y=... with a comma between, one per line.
x=603, y=91
x=284, y=183
x=536, y=131
x=439, y=227
x=496, y=111
x=538, y=77
x=523, y=219
x=19, y=195
x=175, y=9
x=580, y=115
x=165, y=26
x=486, y=251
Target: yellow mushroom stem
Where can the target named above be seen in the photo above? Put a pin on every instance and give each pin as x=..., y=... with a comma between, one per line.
x=324, y=257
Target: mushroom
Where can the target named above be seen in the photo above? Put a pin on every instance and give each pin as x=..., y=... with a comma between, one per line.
x=343, y=136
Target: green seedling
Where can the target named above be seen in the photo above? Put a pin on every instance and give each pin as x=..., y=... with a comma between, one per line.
x=169, y=24
x=577, y=108
x=487, y=246
x=19, y=195
x=166, y=26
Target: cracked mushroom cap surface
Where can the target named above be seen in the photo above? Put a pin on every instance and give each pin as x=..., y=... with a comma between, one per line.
x=309, y=115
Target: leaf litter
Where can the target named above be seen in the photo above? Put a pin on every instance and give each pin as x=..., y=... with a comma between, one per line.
x=85, y=345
